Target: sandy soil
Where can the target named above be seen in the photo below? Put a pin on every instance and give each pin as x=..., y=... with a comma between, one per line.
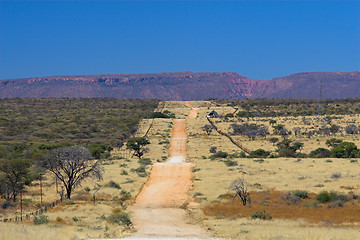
x=158, y=211
x=178, y=141
x=193, y=112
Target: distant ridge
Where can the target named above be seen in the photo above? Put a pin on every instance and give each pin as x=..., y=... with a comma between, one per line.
x=184, y=86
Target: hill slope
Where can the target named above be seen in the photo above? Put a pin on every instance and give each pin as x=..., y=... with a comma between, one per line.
x=184, y=86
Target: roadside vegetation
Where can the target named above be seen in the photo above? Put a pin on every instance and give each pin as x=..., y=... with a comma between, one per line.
x=301, y=170
x=300, y=179
x=72, y=150
x=279, y=107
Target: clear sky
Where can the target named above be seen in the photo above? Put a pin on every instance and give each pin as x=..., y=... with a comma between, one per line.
x=257, y=39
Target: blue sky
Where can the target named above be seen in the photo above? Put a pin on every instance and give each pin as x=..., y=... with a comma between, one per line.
x=257, y=39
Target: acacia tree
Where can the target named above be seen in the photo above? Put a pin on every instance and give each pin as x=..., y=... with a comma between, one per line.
x=138, y=145
x=14, y=173
x=333, y=142
x=71, y=165
x=288, y=148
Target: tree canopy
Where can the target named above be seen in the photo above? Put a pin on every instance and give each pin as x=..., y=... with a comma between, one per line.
x=71, y=165
x=138, y=145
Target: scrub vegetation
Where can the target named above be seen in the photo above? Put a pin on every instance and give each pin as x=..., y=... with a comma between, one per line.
x=300, y=179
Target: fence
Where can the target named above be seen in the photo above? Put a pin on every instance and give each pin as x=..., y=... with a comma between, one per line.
x=28, y=216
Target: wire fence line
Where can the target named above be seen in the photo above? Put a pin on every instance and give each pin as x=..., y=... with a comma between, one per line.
x=31, y=215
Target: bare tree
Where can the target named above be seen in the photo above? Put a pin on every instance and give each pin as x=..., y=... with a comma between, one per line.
x=250, y=130
x=310, y=134
x=240, y=187
x=72, y=165
x=296, y=130
x=351, y=129
x=284, y=133
x=335, y=128
x=207, y=128
x=134, y=130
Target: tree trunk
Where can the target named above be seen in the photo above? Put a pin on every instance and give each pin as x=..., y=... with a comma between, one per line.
x=68, y=191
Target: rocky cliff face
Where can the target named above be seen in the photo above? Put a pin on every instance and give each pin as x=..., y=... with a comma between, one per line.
x=184, y=86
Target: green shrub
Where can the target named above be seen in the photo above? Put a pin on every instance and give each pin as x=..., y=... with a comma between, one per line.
x=325, y=197
x=100, y=150
x=75, y=219
x=230, y=163
x=165, y=114
x=220, y=154
x=290, y=198
x=225, y=196
x=259, y=160
x=69, y=202
x=41, y=219
x=300, y=194
x=196, y=194
x=141, y=169
x=346, y=150
x=145, y=161
x=259, y=153
x=5, y=204
x=142, y=174
x=213, y=149
x=320, y=153
x=261, y=215
x=314, y=204
x=125, y=195
x=336, y=175
x=288, y=148
x=123, y=172
x=120, y=218
x=113, y=184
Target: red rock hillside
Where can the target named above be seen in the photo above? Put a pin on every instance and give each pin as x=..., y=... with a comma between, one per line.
x=184, y=86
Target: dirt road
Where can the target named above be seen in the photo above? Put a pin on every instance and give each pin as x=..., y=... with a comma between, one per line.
x=193, y=112
x=157, y=212
x=178, y=141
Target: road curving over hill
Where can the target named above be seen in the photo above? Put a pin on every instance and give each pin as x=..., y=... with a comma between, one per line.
x=158, y=211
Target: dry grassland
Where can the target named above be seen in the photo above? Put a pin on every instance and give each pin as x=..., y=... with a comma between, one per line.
x=213, y=178
x=244, y=228
x=90, y=217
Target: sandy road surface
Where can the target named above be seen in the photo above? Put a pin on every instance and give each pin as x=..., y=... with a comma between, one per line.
x=167, y=186
x=178, y=141
x=157, y=212
x=193, y=112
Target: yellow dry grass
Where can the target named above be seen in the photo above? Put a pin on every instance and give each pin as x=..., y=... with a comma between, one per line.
x=243, y=228
x=213, y=178
x=92, y=216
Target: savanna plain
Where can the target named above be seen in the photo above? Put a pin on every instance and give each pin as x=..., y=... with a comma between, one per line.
x=295, y=175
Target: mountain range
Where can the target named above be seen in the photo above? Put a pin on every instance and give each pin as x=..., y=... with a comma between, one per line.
x=185, y=86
